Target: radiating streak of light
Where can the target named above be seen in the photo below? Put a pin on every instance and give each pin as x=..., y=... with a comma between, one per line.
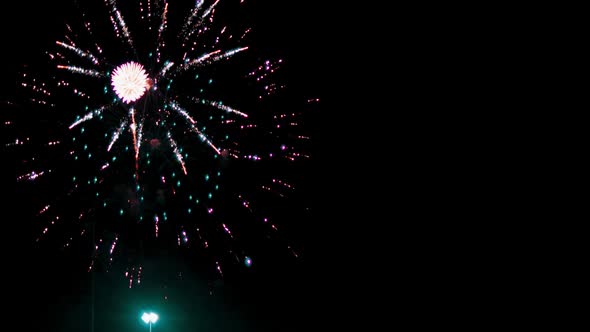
x=117, y=133
x=31, y=176
x=160, y=30
x=89, y=116
x=80, y=52
x=44, y=209
x=226, y=229
x=219, y=105
x=83, y=71
x=219, y=268
x=165, y=69
x=177, y=153
x=121, y=22
x=192, y=122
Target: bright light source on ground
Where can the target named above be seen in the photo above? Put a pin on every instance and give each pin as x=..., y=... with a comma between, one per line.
x=149, y=318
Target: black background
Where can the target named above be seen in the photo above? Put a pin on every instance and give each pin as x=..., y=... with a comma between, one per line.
x=50, y=293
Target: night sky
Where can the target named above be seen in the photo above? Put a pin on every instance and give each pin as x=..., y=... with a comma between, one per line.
x=278, y=293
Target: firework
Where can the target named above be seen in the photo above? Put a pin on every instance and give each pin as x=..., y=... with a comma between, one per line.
x=166, y=134
x=130, y=81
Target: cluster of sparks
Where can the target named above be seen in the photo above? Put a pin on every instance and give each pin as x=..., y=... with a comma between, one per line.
x=263, y=75
x=141, y=98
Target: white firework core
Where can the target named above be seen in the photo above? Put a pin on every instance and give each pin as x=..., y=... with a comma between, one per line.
x=130, y=81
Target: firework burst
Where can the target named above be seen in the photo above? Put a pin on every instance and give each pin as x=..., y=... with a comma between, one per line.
x=165, y=136
x=130, y=81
